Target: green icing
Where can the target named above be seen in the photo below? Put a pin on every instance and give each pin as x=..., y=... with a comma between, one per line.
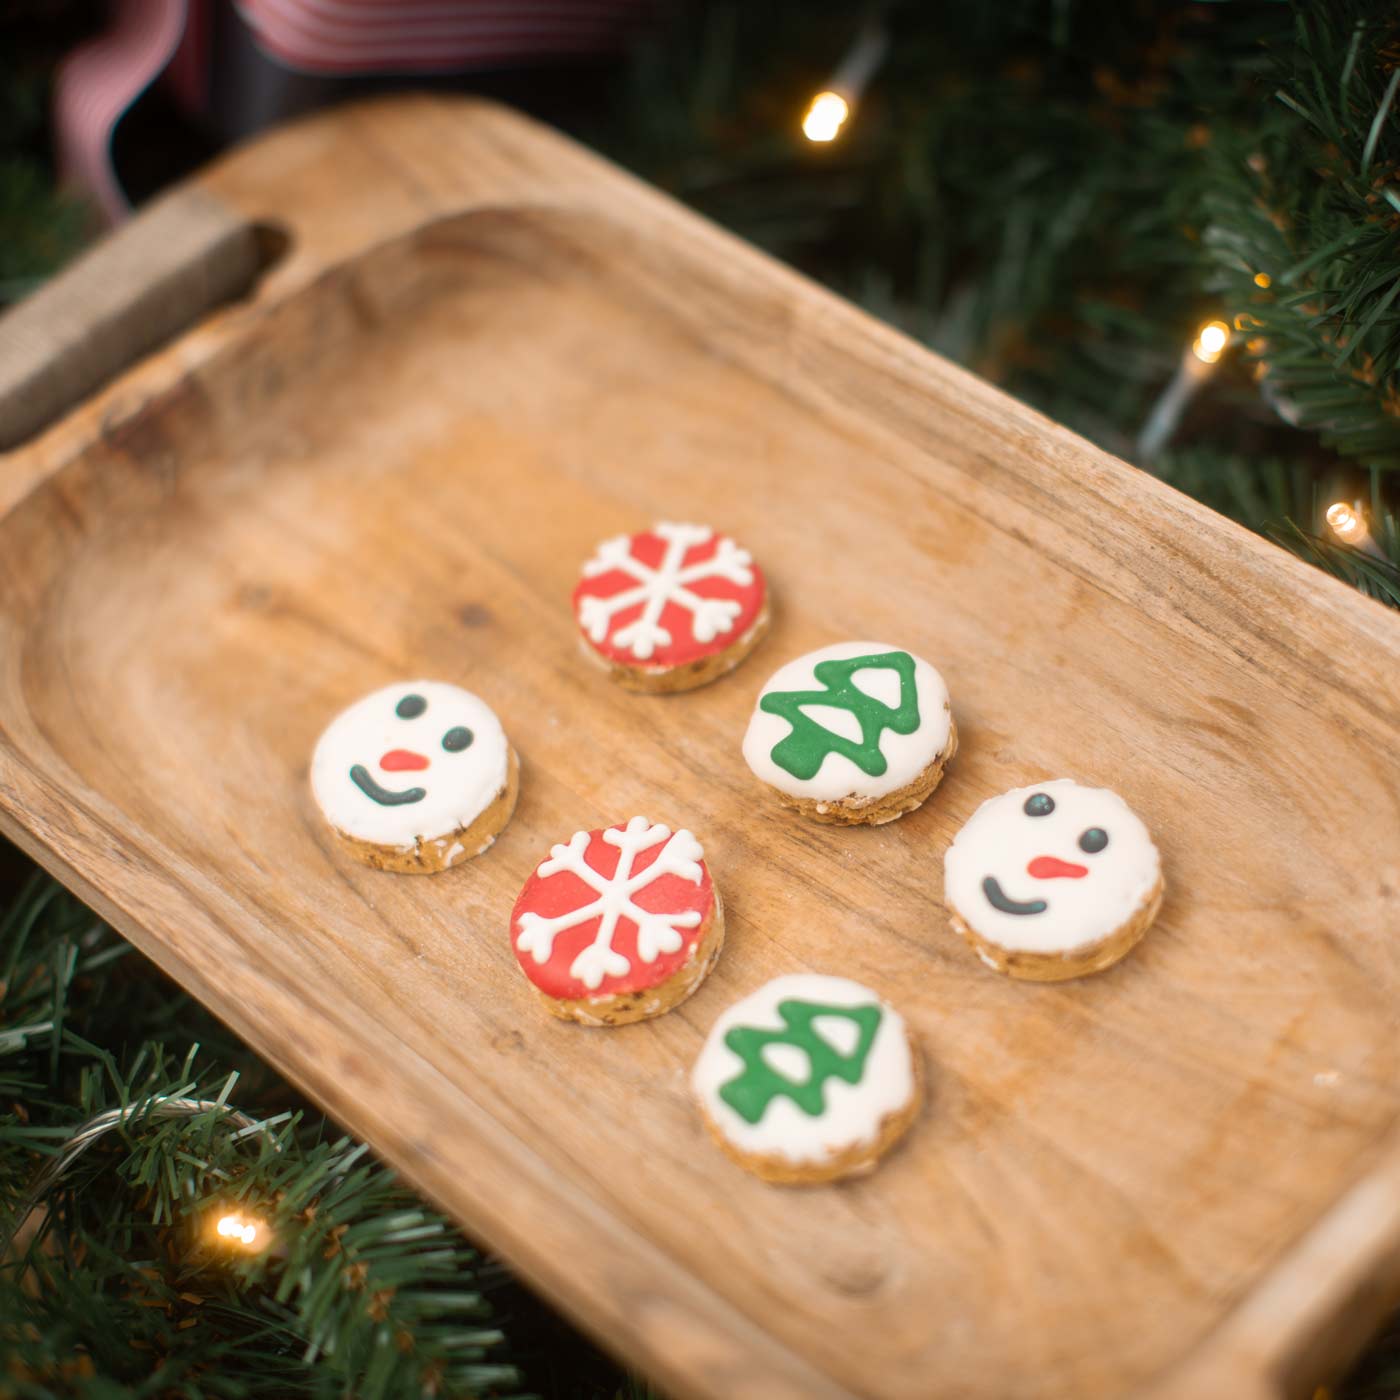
x=803, y=751
x=751, y=1091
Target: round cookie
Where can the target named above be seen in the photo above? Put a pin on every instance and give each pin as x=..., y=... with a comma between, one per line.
x=1052, y=881
x=854, y=734
x=808, y=1079
x=415, y=777
x=671, y=608
x=619, y=925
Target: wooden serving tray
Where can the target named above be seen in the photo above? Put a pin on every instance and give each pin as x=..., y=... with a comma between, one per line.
x=484, y=351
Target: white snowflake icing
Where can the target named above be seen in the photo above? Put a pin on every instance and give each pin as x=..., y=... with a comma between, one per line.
x=656, y=933
x=664, y=584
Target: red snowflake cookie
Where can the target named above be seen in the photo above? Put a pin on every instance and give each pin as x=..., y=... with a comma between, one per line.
x=672, y=595
x=614, y=911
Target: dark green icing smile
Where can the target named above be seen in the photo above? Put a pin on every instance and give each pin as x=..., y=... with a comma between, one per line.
x=359, y=775
x=997, y=898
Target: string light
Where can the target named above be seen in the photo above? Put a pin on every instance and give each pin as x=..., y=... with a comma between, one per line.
x=825, y=117
x=1210, y=342
x=1198, y=363
x=242, y=1230
x=159, y=1107
x=1347, y=521
x=1262, y=279
x=834, y=105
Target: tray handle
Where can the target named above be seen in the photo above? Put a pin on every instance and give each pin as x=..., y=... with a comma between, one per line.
x=138, y=288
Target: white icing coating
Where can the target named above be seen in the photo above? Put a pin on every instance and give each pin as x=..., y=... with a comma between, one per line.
x=457, y=787
x=1001, y=841
x=656, y=933
x=852, y=1113
x=839, y=777
x=662, y=585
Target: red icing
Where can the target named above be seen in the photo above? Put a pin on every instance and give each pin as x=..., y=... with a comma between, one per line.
x=650, y=549
x=1053, y=868
x=402, y=761
x=552, y=895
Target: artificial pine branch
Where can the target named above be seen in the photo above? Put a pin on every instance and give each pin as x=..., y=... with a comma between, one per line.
x=116, y=1278
x=1308, y=205
x=1376, y=578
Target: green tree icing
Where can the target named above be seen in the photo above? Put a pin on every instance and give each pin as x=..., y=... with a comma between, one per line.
x=803, y=751
x=751, y=1091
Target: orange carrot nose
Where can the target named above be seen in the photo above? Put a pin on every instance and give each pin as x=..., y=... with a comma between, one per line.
x=1052, y=868
x=402, y=761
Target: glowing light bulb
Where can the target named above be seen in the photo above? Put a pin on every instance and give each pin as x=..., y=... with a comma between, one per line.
x=1211, y=341
x=1262, y=279
x=238, y=1230
x=825, y=117
x=1346, y=522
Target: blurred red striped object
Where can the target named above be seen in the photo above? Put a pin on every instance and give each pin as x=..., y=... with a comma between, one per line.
x=243, y=63
x=358, y=36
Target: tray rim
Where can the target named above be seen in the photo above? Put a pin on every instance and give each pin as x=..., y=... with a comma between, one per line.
x=1298, y=1321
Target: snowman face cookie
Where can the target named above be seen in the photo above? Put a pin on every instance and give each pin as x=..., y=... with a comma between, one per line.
x=410, y=763
x=1051, y=868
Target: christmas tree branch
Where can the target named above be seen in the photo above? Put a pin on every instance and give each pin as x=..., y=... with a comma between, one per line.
x=118, y=1166
x=1305, y=229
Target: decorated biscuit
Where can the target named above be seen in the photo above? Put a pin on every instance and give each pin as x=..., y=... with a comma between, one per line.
x=671, y=608
x=415, y=777
x=855, y=734
x=808, y=1079
x=1052, y=881
x=618, y=925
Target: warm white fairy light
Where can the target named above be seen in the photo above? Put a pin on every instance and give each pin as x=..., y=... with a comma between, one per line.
x=1198, y=363
x=825, y=117
x=832, y=107
x=1346, y=522
x=240, y=1230
x=1210, y=342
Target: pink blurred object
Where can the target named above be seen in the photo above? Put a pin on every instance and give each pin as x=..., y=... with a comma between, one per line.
x=361, y=36
x=96, y=84
x=273, y=58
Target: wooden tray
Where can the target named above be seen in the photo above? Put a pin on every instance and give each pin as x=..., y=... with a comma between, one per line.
x=483, y=351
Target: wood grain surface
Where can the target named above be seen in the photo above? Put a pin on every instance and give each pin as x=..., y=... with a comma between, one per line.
x=486, y=350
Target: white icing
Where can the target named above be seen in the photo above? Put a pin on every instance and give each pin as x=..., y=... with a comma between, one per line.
x=839, y=777
x=664, y=584
x=457, y=787
x=882, y=685
x=852, y=1113
x=656, y=933
x=788, y=1060
x=840, y=1032
x=840, y=722
x=1000, y=841
x=456, y=850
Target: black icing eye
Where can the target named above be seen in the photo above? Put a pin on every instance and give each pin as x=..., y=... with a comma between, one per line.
x=455, y=740
x=410, y=707
x=1093, y=840
x=1039, y=804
